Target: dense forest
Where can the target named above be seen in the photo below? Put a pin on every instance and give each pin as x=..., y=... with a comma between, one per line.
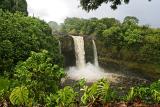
x=32, y=66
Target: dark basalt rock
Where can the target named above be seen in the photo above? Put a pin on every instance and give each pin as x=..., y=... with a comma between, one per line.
x=67, y=48
x=68, y=51
x=88, y=45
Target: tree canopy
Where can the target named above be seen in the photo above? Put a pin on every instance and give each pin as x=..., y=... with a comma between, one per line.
x=93, y=26
x=19, y=35
x=14, y=5
x=94, y=4
x=39, y=74
x=54, y=26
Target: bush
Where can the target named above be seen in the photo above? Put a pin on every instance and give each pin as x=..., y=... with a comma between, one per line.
x=39, y=75
x=66, y=97
x=19, y=35
x=98, y=93
x=147, y=94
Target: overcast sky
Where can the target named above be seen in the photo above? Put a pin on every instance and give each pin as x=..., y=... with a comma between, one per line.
x=58, y=10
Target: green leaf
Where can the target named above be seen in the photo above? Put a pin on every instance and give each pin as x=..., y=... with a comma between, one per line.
x=19, y=96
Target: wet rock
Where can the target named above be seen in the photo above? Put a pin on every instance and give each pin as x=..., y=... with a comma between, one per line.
x=67, y=48
x=88, y=45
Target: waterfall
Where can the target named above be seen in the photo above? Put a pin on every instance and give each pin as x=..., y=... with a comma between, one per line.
x=95, y=54
x=79, y=51
x=59, y=42
x=91, y=72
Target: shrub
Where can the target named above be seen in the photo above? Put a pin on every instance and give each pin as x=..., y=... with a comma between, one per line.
x=147, y=94
x=39, y=75
x=99, y=92
x=19, y=35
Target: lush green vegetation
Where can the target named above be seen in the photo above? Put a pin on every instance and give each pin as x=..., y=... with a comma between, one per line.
x=31, y=67
x=98, y=94
x=30, y=63
x=93, y=26
x=14, y=5
x=39, y=75
x=19, y=35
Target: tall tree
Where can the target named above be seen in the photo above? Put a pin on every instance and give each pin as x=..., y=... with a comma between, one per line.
x=19, y=35
x=131, y=20
x=94, y=4
x=54, y=26
x=14, y=5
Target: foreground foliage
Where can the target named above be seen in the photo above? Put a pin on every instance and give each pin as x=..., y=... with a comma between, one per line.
x=150, y=94
x=39, y=75
x=30, y=63
x=19, y=35
x=66, y=97
x=98, y=94
x=19, y=96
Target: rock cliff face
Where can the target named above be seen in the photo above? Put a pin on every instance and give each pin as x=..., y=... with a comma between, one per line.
x=88, y=49
x=67, y=49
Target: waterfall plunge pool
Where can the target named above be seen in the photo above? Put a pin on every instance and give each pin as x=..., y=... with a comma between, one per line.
x=90, y=73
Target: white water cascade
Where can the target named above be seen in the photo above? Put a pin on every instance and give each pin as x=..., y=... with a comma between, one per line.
x=79, y=51
x=95, y=54
x=91, y=72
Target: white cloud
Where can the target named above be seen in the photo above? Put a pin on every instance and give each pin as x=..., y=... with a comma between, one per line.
x=48, y=9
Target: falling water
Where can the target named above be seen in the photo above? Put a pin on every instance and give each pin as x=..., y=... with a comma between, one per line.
x=79, y=51
x=91, y=72
x=95, y=54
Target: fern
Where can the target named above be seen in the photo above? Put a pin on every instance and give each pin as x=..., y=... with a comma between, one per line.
x=19, y=96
